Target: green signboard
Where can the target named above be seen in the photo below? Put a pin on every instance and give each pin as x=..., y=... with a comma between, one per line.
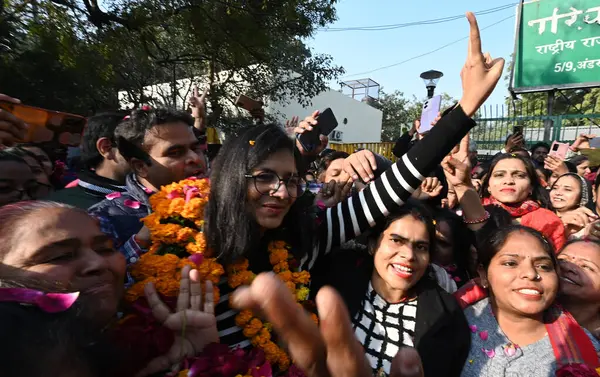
x=557, y=45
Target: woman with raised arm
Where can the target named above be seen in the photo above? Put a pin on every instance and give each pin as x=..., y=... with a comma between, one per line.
x=256, y=187
x=513, y=185
x=395, y=299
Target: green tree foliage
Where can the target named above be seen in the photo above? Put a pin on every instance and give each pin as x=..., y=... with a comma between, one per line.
x=75, y=55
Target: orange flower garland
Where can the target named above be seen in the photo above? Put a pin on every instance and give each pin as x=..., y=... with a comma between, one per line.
x=175, y=226
x=176, y=233
x=254, y=329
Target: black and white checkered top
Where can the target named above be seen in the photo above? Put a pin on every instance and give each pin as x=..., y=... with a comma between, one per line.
x=383, y=328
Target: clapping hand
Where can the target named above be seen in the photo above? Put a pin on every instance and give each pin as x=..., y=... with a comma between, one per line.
x=328, y=350
x=193, y=323
x=480, y=73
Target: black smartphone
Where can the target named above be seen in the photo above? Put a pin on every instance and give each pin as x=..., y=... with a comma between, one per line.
x=326, y=123
x=518, y=130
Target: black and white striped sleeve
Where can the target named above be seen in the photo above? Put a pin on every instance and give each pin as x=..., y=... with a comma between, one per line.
x=362, y=211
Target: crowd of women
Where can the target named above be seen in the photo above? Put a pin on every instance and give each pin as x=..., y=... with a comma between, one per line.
x=487, y=270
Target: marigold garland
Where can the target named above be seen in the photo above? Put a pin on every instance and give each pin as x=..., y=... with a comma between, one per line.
x=176, y=225
x=177, y=240
x=254, y=329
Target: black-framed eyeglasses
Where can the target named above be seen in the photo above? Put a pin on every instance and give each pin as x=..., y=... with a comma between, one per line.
x=269, y=183
x=34, y=191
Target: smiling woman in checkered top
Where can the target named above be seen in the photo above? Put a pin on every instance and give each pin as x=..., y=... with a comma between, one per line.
x=394, y=298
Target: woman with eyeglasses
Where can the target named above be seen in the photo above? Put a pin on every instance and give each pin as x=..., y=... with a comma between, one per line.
x=17, y=181
x=256, y=198
x=256, y=187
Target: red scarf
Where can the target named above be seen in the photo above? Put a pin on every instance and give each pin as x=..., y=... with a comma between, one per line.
x=570, y=343
x=515, y=211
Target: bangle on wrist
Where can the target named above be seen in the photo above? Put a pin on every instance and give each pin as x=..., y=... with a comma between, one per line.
x=481, y=220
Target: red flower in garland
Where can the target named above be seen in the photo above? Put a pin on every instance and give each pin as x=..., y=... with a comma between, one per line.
x=142, y=339
x=218, y=360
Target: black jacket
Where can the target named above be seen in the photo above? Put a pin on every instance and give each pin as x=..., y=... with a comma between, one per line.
x=442, y=335
x=403, y=144
x=91, y=190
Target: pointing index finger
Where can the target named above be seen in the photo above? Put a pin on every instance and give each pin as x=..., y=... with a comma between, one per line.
x=474, y=36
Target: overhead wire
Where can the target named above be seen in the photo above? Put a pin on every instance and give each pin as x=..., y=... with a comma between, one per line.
x=427, y=53
x=416, y=23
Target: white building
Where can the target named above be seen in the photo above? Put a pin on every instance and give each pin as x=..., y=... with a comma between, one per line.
x=358, y=122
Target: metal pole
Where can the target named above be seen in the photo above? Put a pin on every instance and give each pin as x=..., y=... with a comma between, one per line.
x=549, y=123
x=430, y=91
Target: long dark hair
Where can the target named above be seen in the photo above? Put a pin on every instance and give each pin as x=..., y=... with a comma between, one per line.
x=230, y=230
x=538, y=193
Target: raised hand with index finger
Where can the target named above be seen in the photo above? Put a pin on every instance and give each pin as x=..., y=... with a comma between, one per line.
x=480, y=74
x=456, y=166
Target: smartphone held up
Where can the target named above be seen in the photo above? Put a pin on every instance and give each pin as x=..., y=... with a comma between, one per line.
x=326, y=122
x=47, y=125
x=431, y=109
x=559, y=150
